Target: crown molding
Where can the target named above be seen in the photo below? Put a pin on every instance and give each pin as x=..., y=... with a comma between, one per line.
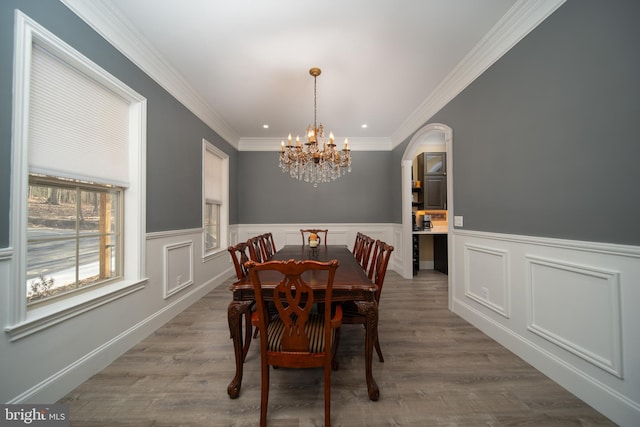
x=355, y=144
x=114, y=27
x=519, y=21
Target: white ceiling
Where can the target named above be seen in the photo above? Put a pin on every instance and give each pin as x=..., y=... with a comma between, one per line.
x=246, y=63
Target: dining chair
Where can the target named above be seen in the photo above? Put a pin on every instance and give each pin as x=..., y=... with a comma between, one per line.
x=256, y=252
x=366, y=246
x=304, y=232
x=357, y=245
x=268, y=246
x=239, y=256
x=377, y=272
x=297, y=337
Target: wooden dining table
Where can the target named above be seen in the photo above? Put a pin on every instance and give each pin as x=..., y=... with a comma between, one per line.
x=350, y=284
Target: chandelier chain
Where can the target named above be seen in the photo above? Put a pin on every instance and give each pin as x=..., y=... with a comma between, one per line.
x=315, y=101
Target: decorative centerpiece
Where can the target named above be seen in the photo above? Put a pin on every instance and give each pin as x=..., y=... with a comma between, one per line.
x=314, y=242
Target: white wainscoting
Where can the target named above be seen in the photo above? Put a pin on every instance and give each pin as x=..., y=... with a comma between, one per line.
x=339, y=234
x=178, y=264
x=486, y=278
x=555, y=288
x=569, y=308
x=178, y=275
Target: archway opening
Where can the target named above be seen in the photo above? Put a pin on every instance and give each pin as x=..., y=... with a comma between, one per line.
x=436, y=137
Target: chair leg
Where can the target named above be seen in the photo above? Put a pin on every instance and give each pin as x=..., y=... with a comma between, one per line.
x=378, y=350
x=247, y=335
x=327, y=396
x=335, y=365
x=264, y=398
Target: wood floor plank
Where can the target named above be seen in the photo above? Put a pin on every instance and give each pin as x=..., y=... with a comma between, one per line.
x=438, y=371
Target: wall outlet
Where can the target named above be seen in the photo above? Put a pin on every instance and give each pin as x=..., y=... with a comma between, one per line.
x=485, y=293
x=179, y=279
x=457, y=221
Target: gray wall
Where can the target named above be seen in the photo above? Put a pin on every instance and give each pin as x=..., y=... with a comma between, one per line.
x=174, y=135
x=546, y=142
x=271, y=197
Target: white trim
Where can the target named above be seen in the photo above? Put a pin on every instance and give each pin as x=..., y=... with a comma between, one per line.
x=485, y=297
x=521, y=19
x=355, y=144
x=27, y=31
x=584, y=246
x=223, y=238
x=172, y=233
x=187, y=267
x=50, y=315
x=6, y=253
x=609, y=314
x=420, y=142
x=575, y=322
x=53, y=387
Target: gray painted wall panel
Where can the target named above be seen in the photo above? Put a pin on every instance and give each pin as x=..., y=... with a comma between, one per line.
x=269, y=196
x=546, y=141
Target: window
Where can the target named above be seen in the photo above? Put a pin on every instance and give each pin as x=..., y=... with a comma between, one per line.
x=74, y=237
x=211, y=225
x=78, y=173
x=215, y=186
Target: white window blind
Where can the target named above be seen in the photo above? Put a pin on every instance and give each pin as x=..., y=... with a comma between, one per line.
x=212, y=178
x=77, y=127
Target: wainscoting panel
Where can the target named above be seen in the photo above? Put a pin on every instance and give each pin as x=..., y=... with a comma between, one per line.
x=592, y=295
x=569, y=308
x=178, y=267
x=487, y=277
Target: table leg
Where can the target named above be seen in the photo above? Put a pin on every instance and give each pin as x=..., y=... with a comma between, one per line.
x=236, y=310
x=369, y=309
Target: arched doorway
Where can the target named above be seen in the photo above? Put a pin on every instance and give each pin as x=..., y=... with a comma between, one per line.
x=434, y=133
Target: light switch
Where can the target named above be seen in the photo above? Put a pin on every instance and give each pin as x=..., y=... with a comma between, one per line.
x=457, y=221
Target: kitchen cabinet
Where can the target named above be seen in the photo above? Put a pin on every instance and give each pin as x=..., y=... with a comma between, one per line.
x=435, y=181
x=438, y=237
x=435, y=163
x=416, y=253
x=435, y=192
x=440, y=253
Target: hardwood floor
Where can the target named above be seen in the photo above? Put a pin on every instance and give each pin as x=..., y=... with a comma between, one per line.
x=438, y=371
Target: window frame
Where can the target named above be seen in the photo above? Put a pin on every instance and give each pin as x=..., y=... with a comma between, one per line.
x=78, y=236
x=223, y=205
x=25, y=321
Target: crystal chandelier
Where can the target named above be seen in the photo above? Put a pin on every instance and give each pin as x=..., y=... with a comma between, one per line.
x=317, y=160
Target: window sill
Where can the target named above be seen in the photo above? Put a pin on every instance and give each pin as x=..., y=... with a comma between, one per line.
x=44, y=317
